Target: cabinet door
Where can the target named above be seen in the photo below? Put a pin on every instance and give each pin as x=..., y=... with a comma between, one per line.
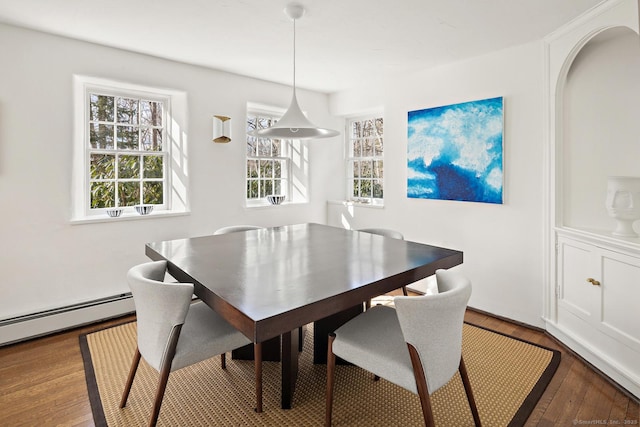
x=577, y=264
x=621, y=298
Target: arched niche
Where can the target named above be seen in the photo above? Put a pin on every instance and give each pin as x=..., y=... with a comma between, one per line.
x=599, y=112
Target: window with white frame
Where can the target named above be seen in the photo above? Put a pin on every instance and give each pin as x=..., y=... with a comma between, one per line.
x=126, y=151
x=365, y=159
x=268, y=160
x=123, y=153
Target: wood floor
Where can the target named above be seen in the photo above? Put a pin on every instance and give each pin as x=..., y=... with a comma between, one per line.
x=42, y=383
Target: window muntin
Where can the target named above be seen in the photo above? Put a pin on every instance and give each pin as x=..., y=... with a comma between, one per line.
x=365, y=159
x=126, y=151
x=268, y=161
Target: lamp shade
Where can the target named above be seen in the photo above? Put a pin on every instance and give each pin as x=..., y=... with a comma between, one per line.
x=294, y=125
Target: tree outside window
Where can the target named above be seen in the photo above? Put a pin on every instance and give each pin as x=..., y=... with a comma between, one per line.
x=126, y=150
x=268, y=161
x=365, y=162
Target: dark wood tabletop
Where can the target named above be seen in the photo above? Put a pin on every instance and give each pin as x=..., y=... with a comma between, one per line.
x=269, y=281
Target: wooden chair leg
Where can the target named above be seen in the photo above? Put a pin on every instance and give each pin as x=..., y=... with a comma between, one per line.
x=162, y=386
x=331, y=367
x=165, y=370
x=132, y=374
x=404, y=291
x=257, y=356
x=467, y=389
x=423, y=389
x=223, y=360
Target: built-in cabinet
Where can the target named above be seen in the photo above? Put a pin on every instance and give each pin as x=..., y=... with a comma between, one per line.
x=592, y=301
x=598, y=302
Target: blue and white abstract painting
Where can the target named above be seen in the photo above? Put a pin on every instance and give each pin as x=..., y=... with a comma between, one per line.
x=455, y=152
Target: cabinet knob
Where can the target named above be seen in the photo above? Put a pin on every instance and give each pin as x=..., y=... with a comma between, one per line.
x=593, y=281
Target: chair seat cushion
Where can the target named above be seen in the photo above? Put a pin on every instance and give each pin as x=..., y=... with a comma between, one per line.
x=374, y=341
x=205, y=334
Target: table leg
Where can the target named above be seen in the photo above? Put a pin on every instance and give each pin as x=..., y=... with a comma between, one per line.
x=270, y=351
x=323, y=327
x=289, y=366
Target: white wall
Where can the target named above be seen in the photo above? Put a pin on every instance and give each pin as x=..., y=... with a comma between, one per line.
x=45, y=261
x=502, y=244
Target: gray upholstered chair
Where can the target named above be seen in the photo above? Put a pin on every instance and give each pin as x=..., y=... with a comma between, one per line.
x=236, y=228
x=386, y=233
x=173, y=332
x=417, y=345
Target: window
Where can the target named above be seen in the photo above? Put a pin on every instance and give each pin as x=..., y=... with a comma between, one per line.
x=267, y=160
x=365, y=162
x=273, y=166
x=124, y=149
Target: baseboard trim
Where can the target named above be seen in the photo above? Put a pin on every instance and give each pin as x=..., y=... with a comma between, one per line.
x=506, y=319
x=621, y=380
x=46, y=322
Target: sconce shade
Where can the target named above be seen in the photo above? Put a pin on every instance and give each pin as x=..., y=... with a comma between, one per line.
x=221, y=129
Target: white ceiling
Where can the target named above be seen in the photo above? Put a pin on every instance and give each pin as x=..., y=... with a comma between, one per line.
x=340, y=43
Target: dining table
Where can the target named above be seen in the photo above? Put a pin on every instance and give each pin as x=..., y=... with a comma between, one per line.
x=270, y=282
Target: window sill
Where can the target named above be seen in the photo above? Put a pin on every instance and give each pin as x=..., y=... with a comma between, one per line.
x=351, y=203
x=126, y=216
x=265, y=204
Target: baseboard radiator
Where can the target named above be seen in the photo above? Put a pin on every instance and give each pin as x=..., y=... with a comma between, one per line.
x=34, y=325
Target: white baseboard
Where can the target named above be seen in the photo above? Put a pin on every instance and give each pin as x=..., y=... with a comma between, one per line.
x=628, y=380
x=38, y=324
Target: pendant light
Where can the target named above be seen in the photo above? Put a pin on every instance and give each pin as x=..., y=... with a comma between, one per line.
x=294, y=124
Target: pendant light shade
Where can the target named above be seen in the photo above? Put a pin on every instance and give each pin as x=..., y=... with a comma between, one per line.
x=294, y=124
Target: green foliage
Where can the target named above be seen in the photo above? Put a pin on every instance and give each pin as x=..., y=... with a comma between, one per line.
x=128, y=167
x=265, y=172
x=153, y=167
x=123, y=129
x=366, y=148
x=152, y=192
x=102, y=166
x=103, y=195
x=128, y=193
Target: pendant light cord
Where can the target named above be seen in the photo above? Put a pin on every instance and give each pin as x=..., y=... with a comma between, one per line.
x=294, y=54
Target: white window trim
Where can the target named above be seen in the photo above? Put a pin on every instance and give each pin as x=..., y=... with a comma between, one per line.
x=176, y=200
x=298, y=164
x=349, y=199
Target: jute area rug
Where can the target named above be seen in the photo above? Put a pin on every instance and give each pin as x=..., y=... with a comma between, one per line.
x=507, y=375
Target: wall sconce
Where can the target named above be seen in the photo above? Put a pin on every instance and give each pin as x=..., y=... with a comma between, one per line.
x=221, y=129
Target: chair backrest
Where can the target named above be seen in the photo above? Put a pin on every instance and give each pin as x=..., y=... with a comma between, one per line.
x=433, y=325
x=384, y=232
x=160, y=307
x=235, y=228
